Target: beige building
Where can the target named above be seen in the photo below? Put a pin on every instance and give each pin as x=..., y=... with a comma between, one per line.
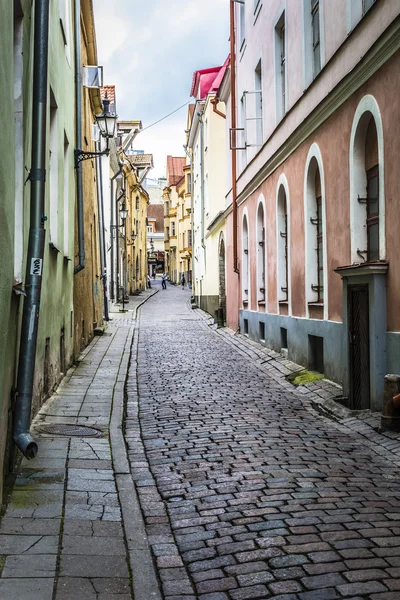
x=175, y=173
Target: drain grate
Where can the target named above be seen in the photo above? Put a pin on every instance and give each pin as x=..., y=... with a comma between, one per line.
x=68, y=429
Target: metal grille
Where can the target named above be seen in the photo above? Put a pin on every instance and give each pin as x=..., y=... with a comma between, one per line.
x=69, y=430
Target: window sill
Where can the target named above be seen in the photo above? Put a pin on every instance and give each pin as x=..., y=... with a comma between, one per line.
x=245, y=302
x=283, y=303
x=261, y=303
x=315, y=304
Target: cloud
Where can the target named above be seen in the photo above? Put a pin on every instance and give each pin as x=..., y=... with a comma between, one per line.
x=150, y=50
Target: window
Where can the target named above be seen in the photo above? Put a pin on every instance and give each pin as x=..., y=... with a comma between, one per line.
x=260, y=254
x=53, y=171
x=66, y=164
x=19, y=142
x=283, y=258
x=167, y=233
x=366, y=5
x=315, y=236
x=190, y=238
x=316, y=45
x=280, y=67
x=373, y=214
x=258, y=104
x=189, y=183
x=166, y=209
x=245, y=262
x=173, y=228
x=137, y=202
x=242, y=25
x=256, y=5
x=367, y=202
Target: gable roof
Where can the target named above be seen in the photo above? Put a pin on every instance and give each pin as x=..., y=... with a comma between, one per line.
x=156, y=212
x=175, y=166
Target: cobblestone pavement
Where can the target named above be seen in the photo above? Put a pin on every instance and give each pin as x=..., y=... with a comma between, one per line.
x=246, y=490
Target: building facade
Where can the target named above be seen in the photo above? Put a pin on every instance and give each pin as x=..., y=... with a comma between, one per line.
x=175, y=173
x=316, y=141
x=207, y=144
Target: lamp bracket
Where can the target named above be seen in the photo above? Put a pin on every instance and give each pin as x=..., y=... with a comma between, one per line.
x=81, y=155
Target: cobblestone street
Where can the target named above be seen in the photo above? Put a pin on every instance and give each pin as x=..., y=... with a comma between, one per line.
x=247, y=491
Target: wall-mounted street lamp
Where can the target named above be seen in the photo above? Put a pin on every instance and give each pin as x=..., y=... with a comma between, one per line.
x=106, y=122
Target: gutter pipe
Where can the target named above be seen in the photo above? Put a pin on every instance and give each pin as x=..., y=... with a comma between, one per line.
x=78, y=136
x=214, y=102
x=37, y=233
x=100, y=201
x=233, y=134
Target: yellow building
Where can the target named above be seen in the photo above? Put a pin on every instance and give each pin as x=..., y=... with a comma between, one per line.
x=133, y=236
x=175, y=174
x=184, y=236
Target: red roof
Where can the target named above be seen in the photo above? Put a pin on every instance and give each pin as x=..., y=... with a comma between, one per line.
x=109, y=92
x=156, y=211
x=175, y=166
x=202, y=82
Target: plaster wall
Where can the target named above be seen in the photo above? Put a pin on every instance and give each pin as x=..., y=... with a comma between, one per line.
x=8, y=302
x=342, y=54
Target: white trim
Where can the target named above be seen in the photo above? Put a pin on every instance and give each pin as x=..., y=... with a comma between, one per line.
x=245, y=270
x=358, y=178
x=280, y=106
x=309, y=198
x=307, y=55
x=259, y=251
x=282, y=182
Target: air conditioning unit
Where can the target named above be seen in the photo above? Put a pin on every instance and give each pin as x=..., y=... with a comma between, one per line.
x=92, y=76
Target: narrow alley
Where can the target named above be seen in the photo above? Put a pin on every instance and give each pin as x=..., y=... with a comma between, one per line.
x=246, y=491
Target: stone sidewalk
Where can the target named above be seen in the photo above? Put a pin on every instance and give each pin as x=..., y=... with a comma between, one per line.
x=73, y=528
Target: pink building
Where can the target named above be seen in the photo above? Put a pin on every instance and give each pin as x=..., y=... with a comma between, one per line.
x=317, y=144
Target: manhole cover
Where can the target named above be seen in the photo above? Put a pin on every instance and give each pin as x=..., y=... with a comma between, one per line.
x=69, y=429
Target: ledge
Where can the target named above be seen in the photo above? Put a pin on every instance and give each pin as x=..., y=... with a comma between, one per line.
x=372, y=268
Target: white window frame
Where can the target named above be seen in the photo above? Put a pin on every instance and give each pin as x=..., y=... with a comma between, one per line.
x=355, y=12
x=311, y=275
x=280, y=246
x=358, y=178
x=245, y=270
x=241, y=26
x=261, y=252
x=281, y=102
x=307, y=57
x=53, y=173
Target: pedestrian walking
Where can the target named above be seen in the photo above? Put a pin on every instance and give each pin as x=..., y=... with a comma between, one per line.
x=148, y=282
x=164, y=281
x=183, y=281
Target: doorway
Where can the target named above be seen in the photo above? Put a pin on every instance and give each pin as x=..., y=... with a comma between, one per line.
x=358, y=318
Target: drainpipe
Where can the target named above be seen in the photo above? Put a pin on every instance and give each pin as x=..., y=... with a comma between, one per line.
x=233, y=133
x=78, y=136
x=214, y=102
x=191, y=204
x=100, y=202
x=34, y=261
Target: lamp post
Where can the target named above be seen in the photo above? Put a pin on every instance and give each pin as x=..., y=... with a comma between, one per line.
x=107, y=122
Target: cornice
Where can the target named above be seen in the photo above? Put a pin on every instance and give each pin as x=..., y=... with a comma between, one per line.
x=383, y=49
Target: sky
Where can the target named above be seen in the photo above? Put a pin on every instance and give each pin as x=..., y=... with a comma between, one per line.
x=149, y=50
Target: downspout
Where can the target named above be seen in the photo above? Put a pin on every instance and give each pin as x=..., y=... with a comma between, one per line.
x=78, y=136
x=100, y=202
x=233, y=134
x=34, y=260
x=214, y=102
x=191, y=204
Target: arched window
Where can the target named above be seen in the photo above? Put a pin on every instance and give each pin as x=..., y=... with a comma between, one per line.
x=283, y=246
x=315, y=231
x=245, y=262
x=261, y=252
x=367, y=206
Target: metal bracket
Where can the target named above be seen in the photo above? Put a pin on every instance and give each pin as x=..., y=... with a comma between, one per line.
x=81, y=155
